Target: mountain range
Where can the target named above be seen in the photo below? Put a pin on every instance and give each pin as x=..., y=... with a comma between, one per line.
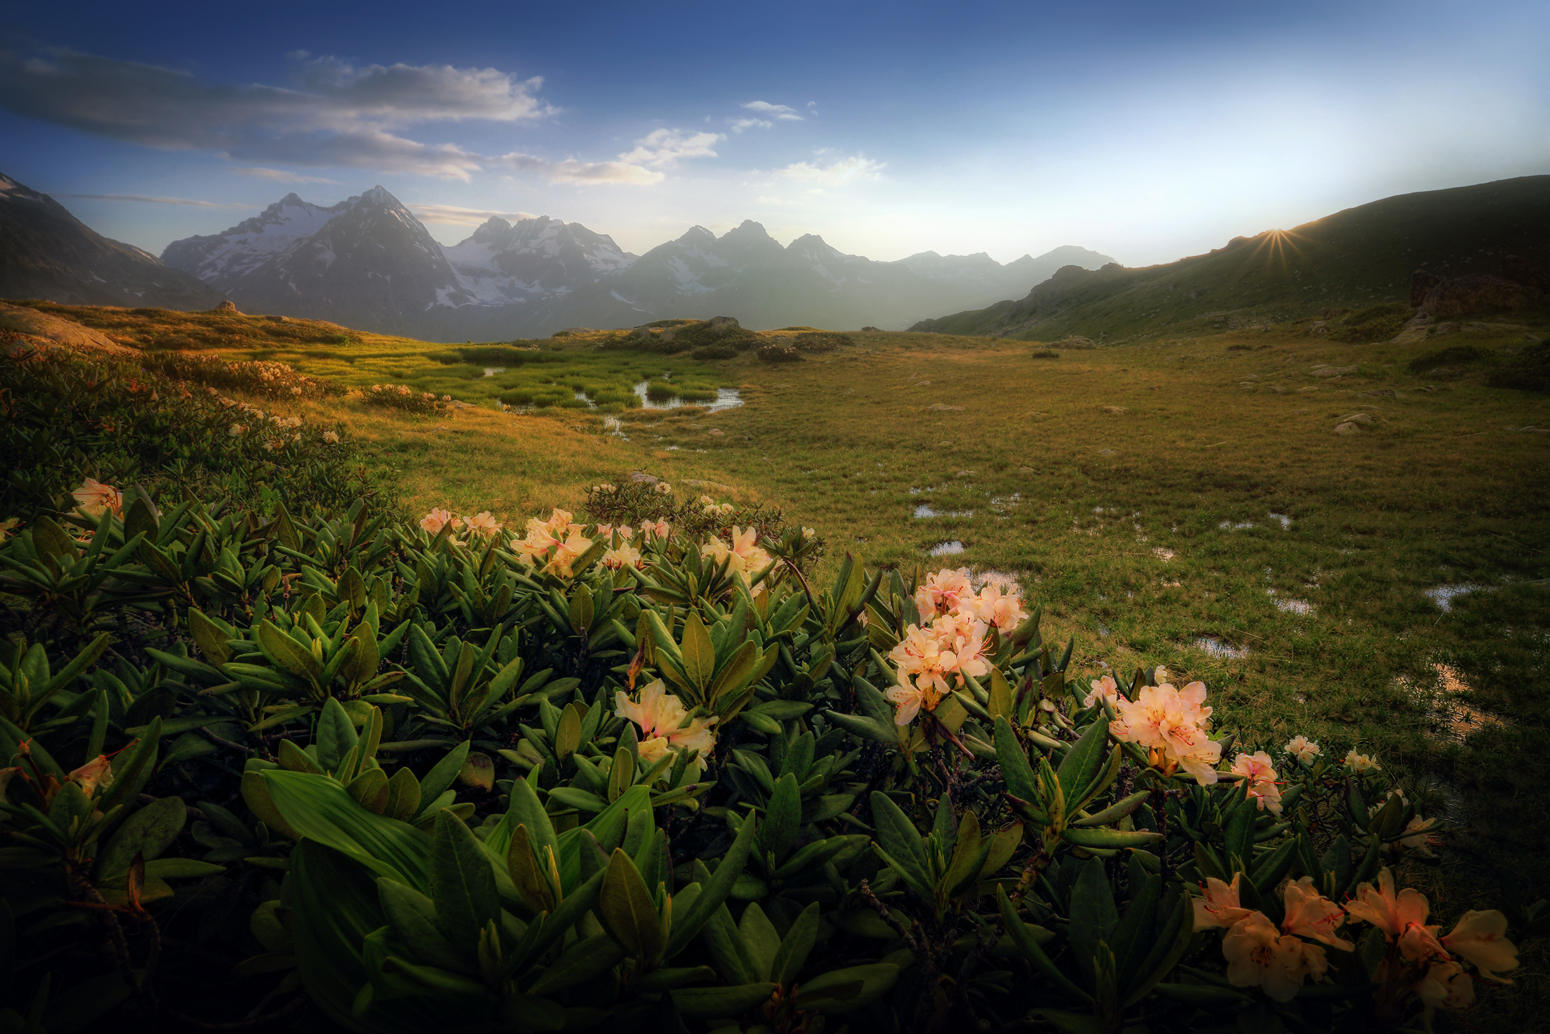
x=367, y=262
x=45, y=252
x=1358, y=257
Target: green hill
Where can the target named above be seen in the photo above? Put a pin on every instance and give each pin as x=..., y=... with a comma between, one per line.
x=1360, y=257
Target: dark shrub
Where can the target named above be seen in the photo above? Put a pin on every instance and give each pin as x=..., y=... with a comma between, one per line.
x=780, y=354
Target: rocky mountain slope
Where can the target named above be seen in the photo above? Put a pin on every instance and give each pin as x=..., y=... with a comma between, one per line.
x=368, y=262
x=1355, y=258
x=47, y=253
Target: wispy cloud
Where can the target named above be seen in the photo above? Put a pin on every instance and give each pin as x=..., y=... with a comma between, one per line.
x=335, y=113
x=780, y=111
x=667, y=146
x=740, y=124
x=278, y=175
x=153, y=200
x=838, y=173
x=462, y=216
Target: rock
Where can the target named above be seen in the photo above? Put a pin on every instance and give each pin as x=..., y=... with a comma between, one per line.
x=1106, y=452
x=1445, y=328
x=1330, y=314
x=275, y=319
x=1358, y=418
x=54, y=331
x=723, y=321
x=1115, y=409
x=940, y=406
x=1333, y=371
x=715, y=431
x=1076, y=341
x=1381, y=393
x=1347, y=429
x=1410, y=335
x=1525, y=273
x=1278, y=389
x=227, y=306
x=1318, y=328
x=1475, y=292
x=869, y=329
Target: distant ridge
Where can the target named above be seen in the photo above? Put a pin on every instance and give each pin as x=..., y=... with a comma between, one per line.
x=367, y=262
x=47, y=253
x=1356, y=257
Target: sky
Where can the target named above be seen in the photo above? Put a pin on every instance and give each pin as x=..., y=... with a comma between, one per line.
x=1141, y=130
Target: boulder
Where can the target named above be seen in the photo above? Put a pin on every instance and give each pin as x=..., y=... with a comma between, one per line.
x=1358, y=418
x=1476, y=292
x=1347, y=428
x=723, y=321
x=227, y=306
x=1525, y=273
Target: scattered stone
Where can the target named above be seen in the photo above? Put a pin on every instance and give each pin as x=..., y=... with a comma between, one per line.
x=1333, y=371
x=1107, y=452
x=1411, y=335
x=1381, y=393
x=945, y=408
x=869, y=329
x=1319, y=328
x=1278, y=389
x=1347, y=428
x=1330, y=314
x=1301, y=391
x=1115, y=409
x=227, y=306
x=1449, y=296
x=715, y=431
x=1358, y=418
x=276, y=319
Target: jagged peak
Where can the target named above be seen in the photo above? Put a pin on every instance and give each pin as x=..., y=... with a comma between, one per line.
x=747, y=228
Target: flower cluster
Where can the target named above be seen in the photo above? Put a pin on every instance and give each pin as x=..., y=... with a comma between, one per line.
x=1278, y=959
x=481, y=525
x=932, y=658
x=743, y=555
x=402, y=396
x=1172, y=724
x=94, y=499
x=715, y=509
x=665, y=725
x=553, y=545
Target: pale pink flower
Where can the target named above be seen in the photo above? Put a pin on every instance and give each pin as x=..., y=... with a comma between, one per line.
x=1259, y=955
x=1445, y=986
x=940, y=592
x=558, y=520
x=236, y=429
x=1360, y=762
x=1420, y=837
x=1261, y=778
x=1303, y=749
x=434, y=521
x=665, y=725
x=332, y=437
x=1481, y=938
x=1172, y=724
x=1001, y=608
x=566, y=555
x=621, y=557
x=1310, y=914
x=1103, y=689
x=909, y=698
x=95, y=773
x=1218, y=904
x=1401, y=916
x=483, y=525
x=94, y=498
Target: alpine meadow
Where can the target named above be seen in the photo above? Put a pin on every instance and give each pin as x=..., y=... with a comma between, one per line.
x=427, y=615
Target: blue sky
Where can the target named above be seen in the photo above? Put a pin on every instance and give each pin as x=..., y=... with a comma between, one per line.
x=1146, y=131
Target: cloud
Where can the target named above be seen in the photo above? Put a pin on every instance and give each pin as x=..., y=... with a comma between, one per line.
x=838, y=173
x=572, y=170
x=278, y=175
x=740, y=124
x=780, y=111
x=336, y=114
x=462, y=216
x=667, y=146
x=152, y=200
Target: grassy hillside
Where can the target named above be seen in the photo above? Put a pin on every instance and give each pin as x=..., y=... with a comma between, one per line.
x=1355, y=258
x=1186, y=502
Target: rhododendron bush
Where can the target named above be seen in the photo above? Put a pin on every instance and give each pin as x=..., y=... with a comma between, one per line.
x=640, y=768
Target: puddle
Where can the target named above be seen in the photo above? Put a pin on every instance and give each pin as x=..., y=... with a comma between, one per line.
x=1444, y=595
x=726, y=398
x=1451, y=716
x=614, y=426
x=946, y=548
x=1240, y=526
x=1163, y=554
x=491, y=371
x=1217, y=648
x=922, y=511
x=1285, y=521
x=1288, y=604
x=989, y=576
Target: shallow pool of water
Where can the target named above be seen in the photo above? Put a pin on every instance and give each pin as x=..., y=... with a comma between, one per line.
x=1217, y=648
x=947, y=548
x=726, y=398
x=491, y=371
x=923, y=511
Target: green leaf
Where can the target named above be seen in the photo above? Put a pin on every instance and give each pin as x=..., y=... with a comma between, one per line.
x=1015, y=768
x=462, y=883
x=147, y=832
x=318, y=808
x=782, y=817
x=1108, y=839
x=336, y=735
x=715, y=892
x=795, y=946
x=443, y=774
x=1023, y=938
x=900, y=842
x=582, y=962
x=727, y=949
x=699, y=653
x=413, y=916
x=1092, y=916
x=845, y=990
x=760, y=939
x=705, y=1003
x=1083, y=761
x=287, y=653
x=629, y=911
